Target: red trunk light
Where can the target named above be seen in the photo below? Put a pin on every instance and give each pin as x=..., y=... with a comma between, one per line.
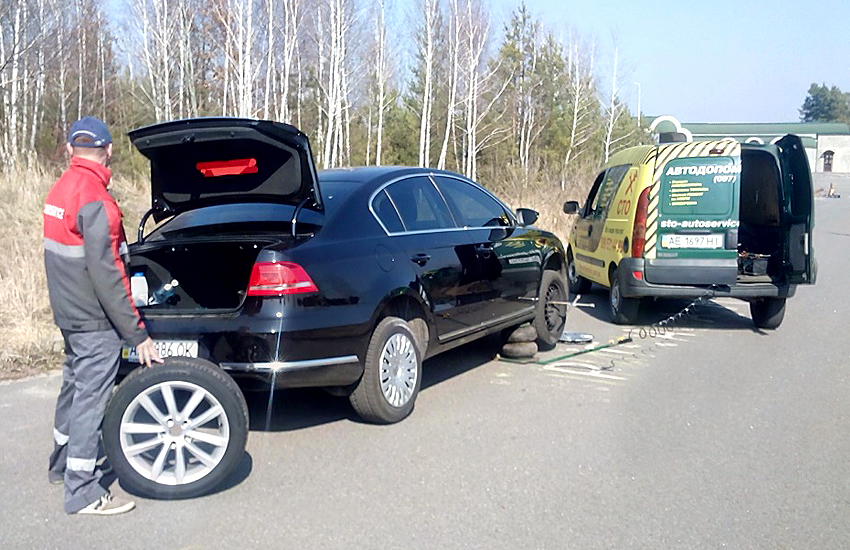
x=639, y=231
x=234, y=167
x=278, y=279
x=637, y=275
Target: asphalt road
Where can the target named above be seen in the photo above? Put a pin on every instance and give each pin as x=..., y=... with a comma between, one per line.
x=715, y=436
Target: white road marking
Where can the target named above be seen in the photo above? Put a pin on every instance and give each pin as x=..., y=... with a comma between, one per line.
x=592, y=373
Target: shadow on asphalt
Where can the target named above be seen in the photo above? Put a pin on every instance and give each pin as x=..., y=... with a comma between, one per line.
x=707, y=315
x=237, y=476
x=296, y=409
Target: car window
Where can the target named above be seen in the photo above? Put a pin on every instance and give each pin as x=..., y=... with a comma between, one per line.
x=471, y=206
x=420, y=205
x=386, y=212
x=613, y=177
x=592, y=197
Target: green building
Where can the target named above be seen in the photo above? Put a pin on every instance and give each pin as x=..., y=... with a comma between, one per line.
x=827, y=143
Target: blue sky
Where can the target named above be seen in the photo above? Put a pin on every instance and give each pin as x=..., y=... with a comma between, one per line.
x=713, y=60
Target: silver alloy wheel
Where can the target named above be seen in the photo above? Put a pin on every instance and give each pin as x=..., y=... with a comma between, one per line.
x=174, y=433
x=399, y=370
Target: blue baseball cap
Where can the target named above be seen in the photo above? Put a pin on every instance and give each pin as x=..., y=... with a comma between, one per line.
x=89, y=132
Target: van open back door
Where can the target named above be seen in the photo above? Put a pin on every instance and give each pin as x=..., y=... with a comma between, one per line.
x=798, y=211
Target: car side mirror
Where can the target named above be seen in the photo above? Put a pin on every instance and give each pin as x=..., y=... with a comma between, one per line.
x=526, y=216
x=571, y=207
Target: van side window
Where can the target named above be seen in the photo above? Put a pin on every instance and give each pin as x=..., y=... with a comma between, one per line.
x=613, y=177
x=592, y=197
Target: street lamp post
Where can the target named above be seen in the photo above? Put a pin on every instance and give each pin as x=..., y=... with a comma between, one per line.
x=638, y=105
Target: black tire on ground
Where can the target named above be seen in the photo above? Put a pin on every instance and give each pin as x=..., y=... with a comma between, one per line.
x=768, y=312
x=577, y=283
x=624, y=310
x=185, y=411
x=522, y=333
x=519, y=350
x=392, y=374
x=550, y=318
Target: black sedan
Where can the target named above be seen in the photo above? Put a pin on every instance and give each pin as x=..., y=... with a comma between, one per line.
x=346, y=279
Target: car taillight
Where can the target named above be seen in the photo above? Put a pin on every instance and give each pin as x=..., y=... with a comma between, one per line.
x=278, y=279
x=639, y=231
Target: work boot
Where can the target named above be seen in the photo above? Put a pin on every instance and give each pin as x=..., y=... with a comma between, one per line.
x=108, y=505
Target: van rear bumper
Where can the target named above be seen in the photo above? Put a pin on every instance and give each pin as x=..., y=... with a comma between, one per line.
x=633, y=286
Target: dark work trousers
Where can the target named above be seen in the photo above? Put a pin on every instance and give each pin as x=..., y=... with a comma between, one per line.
x=88, y=375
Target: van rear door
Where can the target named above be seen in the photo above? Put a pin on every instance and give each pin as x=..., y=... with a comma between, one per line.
x=798, y=211
x=697, y=221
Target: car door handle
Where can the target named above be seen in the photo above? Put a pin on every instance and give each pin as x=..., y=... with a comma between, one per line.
x=420, y=259
x=484, y=250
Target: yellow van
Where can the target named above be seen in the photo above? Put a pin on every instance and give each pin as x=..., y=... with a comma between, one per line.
x=694, y=218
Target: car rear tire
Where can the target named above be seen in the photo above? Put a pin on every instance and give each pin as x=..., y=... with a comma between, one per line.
x=550, y=316
x=768, y=312
x=577, y=283
x=175, y=430
x=392, y=374
x=624, y=310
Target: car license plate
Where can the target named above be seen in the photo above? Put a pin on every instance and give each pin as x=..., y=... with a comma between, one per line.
x=165, y=348
x=692, y=241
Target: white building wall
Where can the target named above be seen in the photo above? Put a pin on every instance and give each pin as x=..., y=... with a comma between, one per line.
x=840, y=146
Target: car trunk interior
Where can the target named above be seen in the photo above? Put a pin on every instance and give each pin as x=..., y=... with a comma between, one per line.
x=760, y=244
x=210, y=274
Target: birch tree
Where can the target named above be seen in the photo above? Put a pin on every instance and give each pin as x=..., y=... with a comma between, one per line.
x=454, y=76
x=426, y=45
x=481, y=90
x=581, y=108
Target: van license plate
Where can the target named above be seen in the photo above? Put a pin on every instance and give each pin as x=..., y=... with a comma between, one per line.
x=692, y=241
x=165, y=348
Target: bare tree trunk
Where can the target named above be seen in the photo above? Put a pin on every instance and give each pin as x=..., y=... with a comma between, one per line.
x=269, y=57
x=612, y=111
x=382, y=76
x=454, y=46
x=580, y=90
x=427, y=51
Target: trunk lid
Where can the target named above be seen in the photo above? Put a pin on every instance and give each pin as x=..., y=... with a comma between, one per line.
x=209, y=161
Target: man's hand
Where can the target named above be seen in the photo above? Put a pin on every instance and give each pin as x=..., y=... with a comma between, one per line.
x=147, y=353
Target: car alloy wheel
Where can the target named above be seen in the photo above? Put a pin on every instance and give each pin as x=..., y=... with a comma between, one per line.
x=175, y=430
x=170, y=444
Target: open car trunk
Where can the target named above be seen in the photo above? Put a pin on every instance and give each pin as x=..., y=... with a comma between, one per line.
x=211, y=274
x=760, y=235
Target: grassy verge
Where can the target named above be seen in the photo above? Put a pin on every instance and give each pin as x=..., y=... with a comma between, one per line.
x=31, y=343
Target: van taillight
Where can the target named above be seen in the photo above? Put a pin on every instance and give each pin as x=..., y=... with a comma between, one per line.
x=639, y=231
x=279, y=278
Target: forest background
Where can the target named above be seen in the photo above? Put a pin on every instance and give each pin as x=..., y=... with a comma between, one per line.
x=514, y=104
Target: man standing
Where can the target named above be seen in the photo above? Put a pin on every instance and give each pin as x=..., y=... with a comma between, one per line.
x=85, y=251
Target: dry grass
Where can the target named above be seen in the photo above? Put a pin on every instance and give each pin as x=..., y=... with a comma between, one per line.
x=31, y=343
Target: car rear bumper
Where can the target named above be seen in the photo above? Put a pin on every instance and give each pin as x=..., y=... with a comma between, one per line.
x=264, y=348
x=633, y=284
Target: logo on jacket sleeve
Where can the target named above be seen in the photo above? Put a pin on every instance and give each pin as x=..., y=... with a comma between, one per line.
x=54, y=211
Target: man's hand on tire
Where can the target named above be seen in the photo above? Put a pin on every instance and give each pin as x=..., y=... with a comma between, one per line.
x=147, y=353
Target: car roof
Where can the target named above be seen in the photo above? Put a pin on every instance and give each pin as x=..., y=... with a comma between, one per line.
x=363, y=174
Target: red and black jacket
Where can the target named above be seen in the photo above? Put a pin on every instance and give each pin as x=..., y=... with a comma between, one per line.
x=85, y=253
